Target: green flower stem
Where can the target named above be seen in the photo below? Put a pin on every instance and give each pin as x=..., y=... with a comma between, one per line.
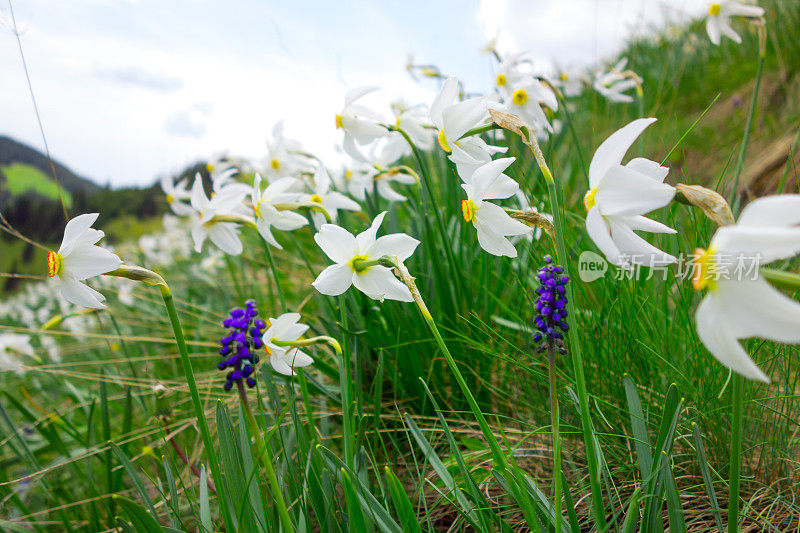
x=344, y=384
x=208, y=443
x=274, y=270
x=737, y=412
x=405, y=277
x=555, y=421
x=782, y=280
x=136, y=273
x=574, y=342
x=263, y=457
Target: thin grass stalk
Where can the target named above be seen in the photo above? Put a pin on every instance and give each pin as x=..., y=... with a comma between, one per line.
x=555, y=422
x=263, y=457
x=737, y=412
x=344, y=384
x=274, y=270
x=734, y=198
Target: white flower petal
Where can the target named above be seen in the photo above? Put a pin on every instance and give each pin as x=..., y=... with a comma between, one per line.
x=716, y=335
x=712, y=28
x=378, y=283
x=764, y=244
x=777, y=210
x=358, y=92
x=610, y=153
x=226, y=236
x=463, y=116
x=447, y=95
x=635, y=249
x=89, y=261
x=334, y=280
x=337, y=243
x=398, y=244
x=79, y=294
x=600, y=233
x=366, y=238
x=75, y=230
x=624, y=191
x=649, y=168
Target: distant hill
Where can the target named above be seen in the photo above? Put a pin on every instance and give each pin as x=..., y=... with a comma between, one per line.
x=21, y=156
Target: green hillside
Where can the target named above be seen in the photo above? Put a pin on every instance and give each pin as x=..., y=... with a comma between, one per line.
x=21, y=178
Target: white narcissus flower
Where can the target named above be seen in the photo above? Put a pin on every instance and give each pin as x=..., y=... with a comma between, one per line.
x=620, y=195
x=175, y=194
x=360, y=124
x=282, y=155
x=350, y=253
x=12, y=346
x=414, y=121
x=453, y=119
x=526, y=103
x=512, y=70
x=225, y=235
x=79, y=258
x=718, y=22
x=267, y=215
x=739, y=303
x=613, y=84
x=491, y=221
x=284, y=359
x=332, y=201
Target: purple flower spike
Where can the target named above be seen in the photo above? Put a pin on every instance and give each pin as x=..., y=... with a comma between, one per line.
x=551, y=308
x=238, y=347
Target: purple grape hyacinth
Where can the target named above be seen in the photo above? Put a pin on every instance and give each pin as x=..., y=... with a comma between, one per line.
x=551, y=307
x=237, y=348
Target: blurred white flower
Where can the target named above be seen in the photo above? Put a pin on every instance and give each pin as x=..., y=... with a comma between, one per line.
x=360, y=124
x=571, y=81
x=352, y=257
x=491, y=221
x=718, y=22
x=78, y=259
x=225, y=235
x=267, y=215
x=332, y=201
x=175, y=194
x=620, y=195
x=284, y=359
x=512, y=70
x=283, y=157
x=414, y=120
x=11, y=347
x=453, y=119
x=526, y=103
x=739, y=303
x=358, y=180
x=613, y=84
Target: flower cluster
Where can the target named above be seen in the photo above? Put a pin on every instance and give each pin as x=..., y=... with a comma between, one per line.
x=551, y=307
x=237, y=348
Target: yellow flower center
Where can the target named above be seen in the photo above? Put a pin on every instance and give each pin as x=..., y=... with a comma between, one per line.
x=55, y=263
x=397, y=122
x=339, y=120
x=443, y=141
x=209, y=167
x=316, y=198
x=170, y=198
x=468, y=209
x=275, y=164
x=501, y=80
x=588, y=199
x=348, y=174
x=564, y=76
x=355, y=263
x=705, y=270
x=519, y=97
x=713, y=9
x=257, y=209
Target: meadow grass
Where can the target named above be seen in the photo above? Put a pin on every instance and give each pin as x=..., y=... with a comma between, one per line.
x=385, y=438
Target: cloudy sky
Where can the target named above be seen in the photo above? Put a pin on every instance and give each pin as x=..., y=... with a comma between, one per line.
x=132, y=89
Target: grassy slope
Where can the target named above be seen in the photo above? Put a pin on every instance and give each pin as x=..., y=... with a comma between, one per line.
x=22, y=178
x=643, y=329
